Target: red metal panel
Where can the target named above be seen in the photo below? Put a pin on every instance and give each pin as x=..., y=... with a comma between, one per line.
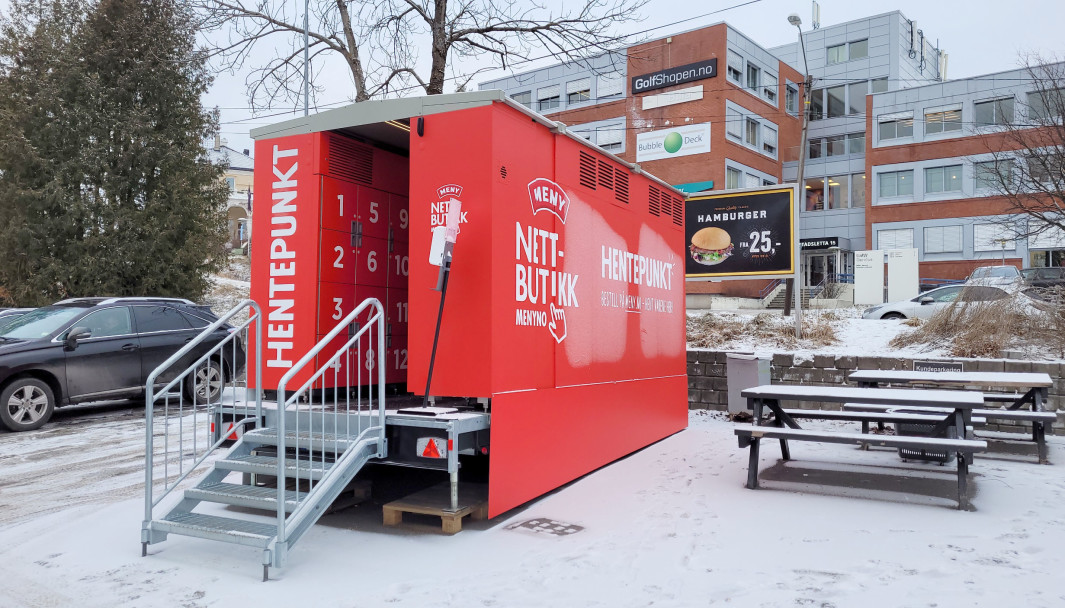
x=339, y=200
x=391, y=172
x=442, y=173
x=373, y=212
x=545, y=438
x=372, y=262
x=339, y=258
x=284, y=264
x=335, y=301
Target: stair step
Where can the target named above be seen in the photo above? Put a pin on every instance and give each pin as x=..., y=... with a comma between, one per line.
x=253, y=497
x=313, y=442
x=213, y=527
x=267, y=465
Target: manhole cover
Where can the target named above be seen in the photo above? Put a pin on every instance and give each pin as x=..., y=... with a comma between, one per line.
x=546, y=526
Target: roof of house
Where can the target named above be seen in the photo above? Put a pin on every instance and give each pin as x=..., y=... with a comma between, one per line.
x=235, y=159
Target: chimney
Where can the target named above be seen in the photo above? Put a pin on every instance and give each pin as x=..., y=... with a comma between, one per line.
x=246, y=152
x=217, y=142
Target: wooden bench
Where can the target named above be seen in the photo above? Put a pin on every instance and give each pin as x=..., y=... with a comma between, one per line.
x=1040, y=420
x=749, y=436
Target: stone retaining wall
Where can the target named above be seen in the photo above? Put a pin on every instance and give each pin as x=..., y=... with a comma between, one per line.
x=708, y=386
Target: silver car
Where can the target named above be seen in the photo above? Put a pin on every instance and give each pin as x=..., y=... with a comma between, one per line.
x=934, y=300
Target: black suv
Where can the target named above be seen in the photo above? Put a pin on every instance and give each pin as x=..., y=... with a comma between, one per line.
x=1044, y=277
x=95, y=349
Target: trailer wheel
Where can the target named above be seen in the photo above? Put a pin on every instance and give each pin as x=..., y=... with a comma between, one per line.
x=26, y=404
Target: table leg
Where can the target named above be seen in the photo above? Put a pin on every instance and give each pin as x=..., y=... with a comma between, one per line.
x=1039, y=398
x=1039, y=436
x=963, y=475
x=752, y=466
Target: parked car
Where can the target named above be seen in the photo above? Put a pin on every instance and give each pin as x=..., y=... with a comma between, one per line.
x=94, y=349
x=930, y=302
x=1044, y=277
x=995, y=275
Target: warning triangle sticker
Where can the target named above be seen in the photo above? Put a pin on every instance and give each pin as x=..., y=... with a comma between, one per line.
x=430, y=450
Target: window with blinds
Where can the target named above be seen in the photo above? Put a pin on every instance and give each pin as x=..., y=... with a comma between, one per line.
x=769, y=141
x=735, y=67
x=942, y=239
x=548, y=98
x=734, y=124
x=994, y=237
x=897, y=238
x=578, y=91
x=608, y=85
x=611, y=137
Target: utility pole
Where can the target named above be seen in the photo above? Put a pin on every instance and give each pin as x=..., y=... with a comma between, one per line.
x=794, y=286
x=306, y=58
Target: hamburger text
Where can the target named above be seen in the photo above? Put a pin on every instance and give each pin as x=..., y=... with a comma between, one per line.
x=732, y=215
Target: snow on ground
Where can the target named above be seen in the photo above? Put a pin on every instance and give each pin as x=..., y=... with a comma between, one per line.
x=671, y=525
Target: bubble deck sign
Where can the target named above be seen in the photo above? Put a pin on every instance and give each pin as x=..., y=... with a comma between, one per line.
x=668, y=143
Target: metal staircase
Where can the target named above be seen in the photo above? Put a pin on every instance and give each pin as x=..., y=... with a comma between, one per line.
x=290, y=461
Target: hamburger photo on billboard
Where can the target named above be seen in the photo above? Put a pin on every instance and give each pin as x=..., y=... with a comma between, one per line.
x=711, y=246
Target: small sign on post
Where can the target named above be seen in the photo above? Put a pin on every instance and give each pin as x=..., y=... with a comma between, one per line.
x=938, y=366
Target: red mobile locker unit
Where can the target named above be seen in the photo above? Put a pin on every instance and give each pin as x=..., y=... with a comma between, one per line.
x=565, y=303
x=323, y=207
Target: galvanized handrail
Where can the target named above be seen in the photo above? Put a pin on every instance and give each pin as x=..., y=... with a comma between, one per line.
x=152, y=395
x=307, y=389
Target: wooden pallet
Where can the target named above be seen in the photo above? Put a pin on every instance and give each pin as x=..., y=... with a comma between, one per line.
x=436, y=501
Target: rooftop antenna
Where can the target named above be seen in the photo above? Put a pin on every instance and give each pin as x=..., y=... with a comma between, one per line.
x=815, y=15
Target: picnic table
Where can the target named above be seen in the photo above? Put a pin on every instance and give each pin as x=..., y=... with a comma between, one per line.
x=1030, y=389
x=956, y=414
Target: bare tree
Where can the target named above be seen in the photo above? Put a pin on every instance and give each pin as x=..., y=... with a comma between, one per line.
x=385, y=44
x=1027, y=166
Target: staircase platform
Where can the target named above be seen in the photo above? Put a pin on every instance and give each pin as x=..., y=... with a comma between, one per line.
x=267, y=465
x=253, y=497
x=436, y=501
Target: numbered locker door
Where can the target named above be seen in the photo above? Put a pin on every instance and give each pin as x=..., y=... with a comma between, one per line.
x=368, y=343
x=399, y=265
x=372, y=262
x=339, y=258
x=397, y=312
x=339, y=204
x=335, y=301
x=399, y=217
x=373, y=212
x=342, y=370
x=396, y=359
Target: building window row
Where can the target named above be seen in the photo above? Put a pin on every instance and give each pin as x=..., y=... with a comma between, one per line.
x=848, y=51
x=949, y=120
x=835, y=192
x=578, y=91
x=755, y=79
x=740, y=176
x=989, y=177
x=837, y=145
x=987, y=237
x=750, y=130
x=844, y=99
x=608, y=136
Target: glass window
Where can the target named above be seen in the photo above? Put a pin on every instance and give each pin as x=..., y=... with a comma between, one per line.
x=942, y=179
x=994, y=237
x=896, y=183
x=158, y=318
x=735, y=67
x=195, y=321
x=752, y=132
x=815, y=194
x=992, y=174
x=879, y=85
x=524, y=98
x=769, y=87
x=578, y=91
x=548, y=98
x=859, y=49
x=733, y=124
x=232, y=183
x=108, y=322
x=898, y=238
x=769, y=140
x=837, y=101
x=836, y=145
x=838, y=191
x=1045, y=168
x=817, y=106
x=733, y=178
x=856, y=143
x=837, y=53
x=942, y=239
x=753, y=77
x=895, y=129
x=816, y=147
x=41, y=322
x=942, y=122
x=608, y=85
x=791, y=98
x=856, y=97
x=994, y=112
x=857, y=190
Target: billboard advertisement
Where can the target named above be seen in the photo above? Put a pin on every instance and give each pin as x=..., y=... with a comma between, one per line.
x=740, y=234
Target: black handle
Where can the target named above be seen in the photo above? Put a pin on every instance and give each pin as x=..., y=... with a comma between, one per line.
x=130, y=347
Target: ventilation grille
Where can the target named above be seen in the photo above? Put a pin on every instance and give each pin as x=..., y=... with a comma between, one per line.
x=503, y=172
x=350, y=160
x=660, y=203
x=587, y=170
x=678, y=211
x=621, y=186
x=654, y=198
x=606, y=175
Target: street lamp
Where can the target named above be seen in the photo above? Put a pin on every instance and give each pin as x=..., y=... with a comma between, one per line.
x=795, y=20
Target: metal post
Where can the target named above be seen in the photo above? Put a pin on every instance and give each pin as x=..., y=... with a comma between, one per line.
x=800, y=180
x=306, y=58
